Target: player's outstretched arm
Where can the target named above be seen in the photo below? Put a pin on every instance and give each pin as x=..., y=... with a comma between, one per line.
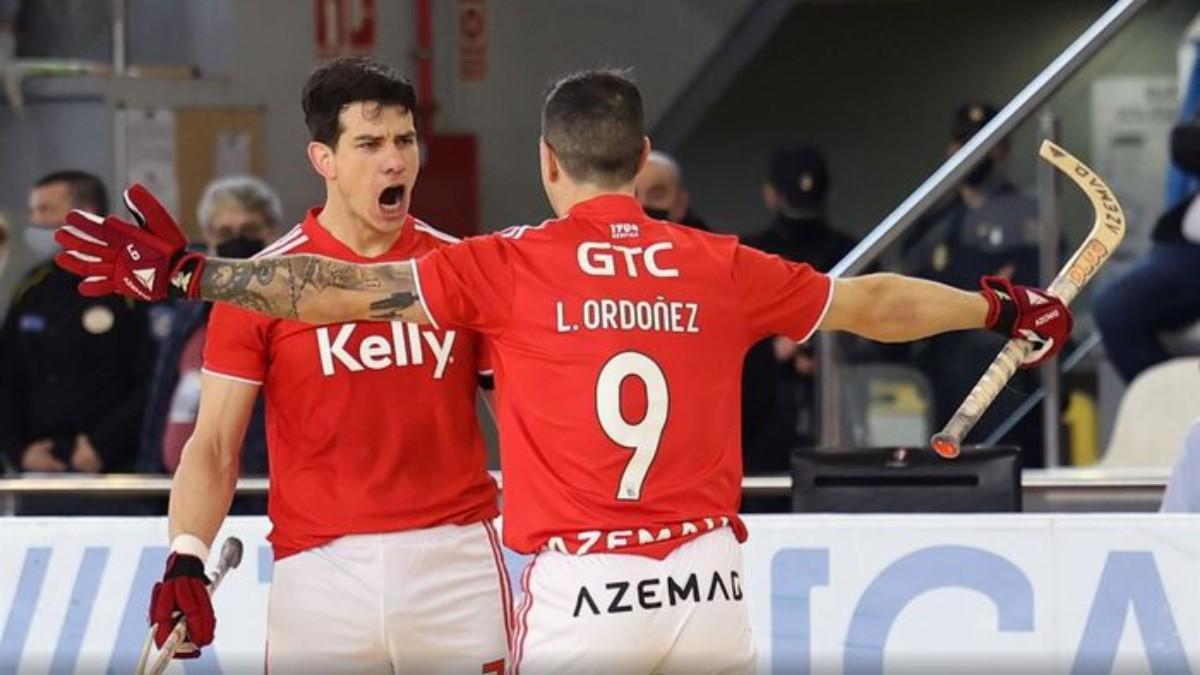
x=314, y=289
x=150, y=261
x=895, y=308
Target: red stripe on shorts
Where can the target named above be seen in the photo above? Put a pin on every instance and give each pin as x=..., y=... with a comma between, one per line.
x=518, y=649
x=505, y=589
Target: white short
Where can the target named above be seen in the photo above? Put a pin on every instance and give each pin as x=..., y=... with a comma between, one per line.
x=421, y=601
x=621, y=613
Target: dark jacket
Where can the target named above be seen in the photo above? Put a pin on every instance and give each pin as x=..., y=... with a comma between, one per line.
x=808, y=239
x=951, y=243
x=1169, y=227
x=73, y=365
x=774, y=394
x=186, y=319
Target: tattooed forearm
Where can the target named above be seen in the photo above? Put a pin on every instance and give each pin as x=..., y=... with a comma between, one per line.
x=393, y=306
x=314, y=289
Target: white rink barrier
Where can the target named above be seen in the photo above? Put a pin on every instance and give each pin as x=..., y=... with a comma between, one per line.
x=859, y=595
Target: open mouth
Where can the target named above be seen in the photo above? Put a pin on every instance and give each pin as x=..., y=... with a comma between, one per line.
x=391, y=199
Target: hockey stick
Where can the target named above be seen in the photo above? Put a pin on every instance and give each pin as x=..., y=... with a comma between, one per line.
x=1108, y=229
x=231, y=557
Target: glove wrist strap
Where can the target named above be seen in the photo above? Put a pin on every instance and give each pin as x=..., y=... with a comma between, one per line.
x=190, y=544
x=1004, y=317
x=186, y=271
x=1002, y=309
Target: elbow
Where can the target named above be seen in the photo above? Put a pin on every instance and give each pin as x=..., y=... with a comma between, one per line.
x=889, y=316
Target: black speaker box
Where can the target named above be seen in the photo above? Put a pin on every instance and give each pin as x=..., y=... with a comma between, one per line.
x=906, y=480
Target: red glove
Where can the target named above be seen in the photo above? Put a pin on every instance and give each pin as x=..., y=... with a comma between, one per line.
x=183, y=593
x=147, y=261
x=1027, y=313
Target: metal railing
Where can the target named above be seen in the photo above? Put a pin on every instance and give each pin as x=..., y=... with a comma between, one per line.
x=948, y=175
x=1067, y=486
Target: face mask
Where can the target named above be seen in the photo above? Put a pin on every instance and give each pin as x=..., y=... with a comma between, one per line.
x=657, y=214
x=40, y=240
x=1185, y=148
x=240, y=247
x=982, y=171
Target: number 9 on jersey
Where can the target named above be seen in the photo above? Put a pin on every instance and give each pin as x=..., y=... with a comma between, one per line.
x=643, y=437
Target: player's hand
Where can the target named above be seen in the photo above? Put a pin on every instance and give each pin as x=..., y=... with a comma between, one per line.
x=146, y=261
x=84, y=457
x=39, y=456
x=1027, y=313
x=183, y=593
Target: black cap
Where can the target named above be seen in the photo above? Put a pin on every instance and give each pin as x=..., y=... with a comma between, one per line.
x=969, y=119
x=799, y=174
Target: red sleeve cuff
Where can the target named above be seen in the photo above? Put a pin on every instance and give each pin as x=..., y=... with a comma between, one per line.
x=425, y=281
x=233, y=374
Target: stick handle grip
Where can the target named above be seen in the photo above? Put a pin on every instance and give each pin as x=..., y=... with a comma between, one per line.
x=948, y=442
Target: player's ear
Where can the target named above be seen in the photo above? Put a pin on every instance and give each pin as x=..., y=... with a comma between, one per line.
x=549, y=162
x=321, y=158
x=644, y=156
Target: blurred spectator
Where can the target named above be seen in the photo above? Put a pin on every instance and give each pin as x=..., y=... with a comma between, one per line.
x=659, y=187
x=73, y=370
x=778, y=396
x=1161, y=293
x=238, y=216
x=986, y=227
x=1183, y=487
x=795, y=191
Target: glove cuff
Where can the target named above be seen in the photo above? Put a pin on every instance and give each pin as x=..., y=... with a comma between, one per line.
x=184, y=565
x=1002, y=309
x=186, y=270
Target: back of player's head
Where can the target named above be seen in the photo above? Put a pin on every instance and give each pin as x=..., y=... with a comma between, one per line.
x=344, y=81
x=86, y=189
x=592, y=120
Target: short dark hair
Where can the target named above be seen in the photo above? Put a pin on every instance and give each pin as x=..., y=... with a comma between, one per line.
x=343, y=81
x=87, y=190
x=593, y=121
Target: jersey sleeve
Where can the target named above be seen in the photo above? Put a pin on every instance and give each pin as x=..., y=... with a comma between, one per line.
x=469, y=284
x=235, y=344
x=779, y=297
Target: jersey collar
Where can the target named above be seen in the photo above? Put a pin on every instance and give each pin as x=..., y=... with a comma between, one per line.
x=403, y=247
x=611, y=205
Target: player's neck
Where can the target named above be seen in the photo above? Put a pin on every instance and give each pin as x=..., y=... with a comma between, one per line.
x=576, y=193
x=357, y=236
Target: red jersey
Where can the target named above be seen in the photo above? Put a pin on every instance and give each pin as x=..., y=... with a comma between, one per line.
x=618, y=343
x=371, y=426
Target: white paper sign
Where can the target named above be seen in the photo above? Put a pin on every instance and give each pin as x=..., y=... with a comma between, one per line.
x=150, y=153
x=1132, y=118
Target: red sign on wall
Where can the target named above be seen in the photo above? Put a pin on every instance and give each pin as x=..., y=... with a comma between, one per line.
x=472, y=40
x=344, y=27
